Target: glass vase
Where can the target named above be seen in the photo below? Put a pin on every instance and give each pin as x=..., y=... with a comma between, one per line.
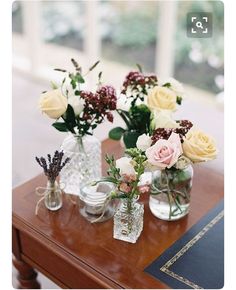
x=85, y=162
x=95, y=202
x=128, y=220
x=170, y=193
x=53, y=196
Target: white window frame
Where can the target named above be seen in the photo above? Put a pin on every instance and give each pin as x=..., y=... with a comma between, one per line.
x=37, y=63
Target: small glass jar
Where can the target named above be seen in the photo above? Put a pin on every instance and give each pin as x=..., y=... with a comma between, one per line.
x=53, y=196
x=128, y=220
x=95, y=202
x=85, y=162
x=170, y=193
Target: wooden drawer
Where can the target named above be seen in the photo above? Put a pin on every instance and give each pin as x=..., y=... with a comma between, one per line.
x=73, y=276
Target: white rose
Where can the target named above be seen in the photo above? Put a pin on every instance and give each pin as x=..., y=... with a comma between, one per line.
x=176, y=86
x=123, y=103
x=163, y=119
x=125, y=166
x=144, y=142
x=77, y=104
x=53, y=103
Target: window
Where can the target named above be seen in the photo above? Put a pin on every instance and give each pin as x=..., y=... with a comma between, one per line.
x=128, y=32
x=200, y=61
x=17, y=23
x=63, y=23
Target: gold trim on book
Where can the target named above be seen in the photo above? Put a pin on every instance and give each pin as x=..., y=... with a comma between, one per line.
x=168, y=264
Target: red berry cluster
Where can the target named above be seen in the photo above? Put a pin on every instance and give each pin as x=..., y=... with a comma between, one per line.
x=98, y=105
x=134, y=79
x=164, y=133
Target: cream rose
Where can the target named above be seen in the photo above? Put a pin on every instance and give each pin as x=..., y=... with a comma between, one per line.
x=161, y=98
x=125, y=166
x=198, y=146
x=165, y=153
x=163, y=119
x=53, y=103
x=144, y=142
x=175, y=86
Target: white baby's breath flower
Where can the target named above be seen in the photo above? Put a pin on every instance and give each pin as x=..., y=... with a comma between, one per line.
x=123, y=103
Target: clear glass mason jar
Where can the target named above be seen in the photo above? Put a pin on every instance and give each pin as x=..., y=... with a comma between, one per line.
x=128, y=220
x=53, y=196
x=170, y=193
x=85, y=162
x=95, y=203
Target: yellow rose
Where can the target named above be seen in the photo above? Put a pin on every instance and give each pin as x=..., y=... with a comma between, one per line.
x=198, y=146
x=161, y=98
x=53, y=103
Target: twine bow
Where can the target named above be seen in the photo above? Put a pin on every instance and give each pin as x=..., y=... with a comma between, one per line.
x=107, y=200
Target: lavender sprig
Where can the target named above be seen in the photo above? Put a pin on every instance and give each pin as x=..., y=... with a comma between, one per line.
x=52, y=165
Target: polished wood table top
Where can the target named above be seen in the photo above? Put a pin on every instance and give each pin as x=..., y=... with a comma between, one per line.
x=76, y=254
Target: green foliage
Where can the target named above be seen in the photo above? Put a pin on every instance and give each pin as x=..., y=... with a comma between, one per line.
x=116, y=133
x=179, y=100
x=60, y=126
x=130, y=138
x=113, y=172
x=140, y=118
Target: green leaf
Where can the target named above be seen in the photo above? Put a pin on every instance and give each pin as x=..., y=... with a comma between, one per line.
x=77, y=93
x=60, y=126
x=130, y=138
x=179, y=100
x=139, y=67
x=78, y=78
x=167, y=85
x=70, y=114
x=116, y=133
x=93, y=66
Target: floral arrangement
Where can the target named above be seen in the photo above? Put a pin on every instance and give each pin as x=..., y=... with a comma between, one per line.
x=145, y=104
x=171, y=152
x=125, y=173
x=77, y=110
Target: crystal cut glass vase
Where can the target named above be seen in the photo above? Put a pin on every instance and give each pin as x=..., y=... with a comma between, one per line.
x=128, y=220
x=170, y=198
x=85, y=162
x=53, y=196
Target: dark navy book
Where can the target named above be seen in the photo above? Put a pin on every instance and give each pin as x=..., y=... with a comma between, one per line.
x=196, y=260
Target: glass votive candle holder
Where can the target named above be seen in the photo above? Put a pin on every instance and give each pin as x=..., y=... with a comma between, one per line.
x=94, y=204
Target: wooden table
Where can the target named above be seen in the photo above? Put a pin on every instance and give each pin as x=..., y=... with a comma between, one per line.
x=76, y=254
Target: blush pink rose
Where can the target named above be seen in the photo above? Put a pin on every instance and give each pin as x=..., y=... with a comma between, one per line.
x=165, y=153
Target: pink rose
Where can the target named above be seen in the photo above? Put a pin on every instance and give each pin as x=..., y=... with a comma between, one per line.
x=165, y=153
